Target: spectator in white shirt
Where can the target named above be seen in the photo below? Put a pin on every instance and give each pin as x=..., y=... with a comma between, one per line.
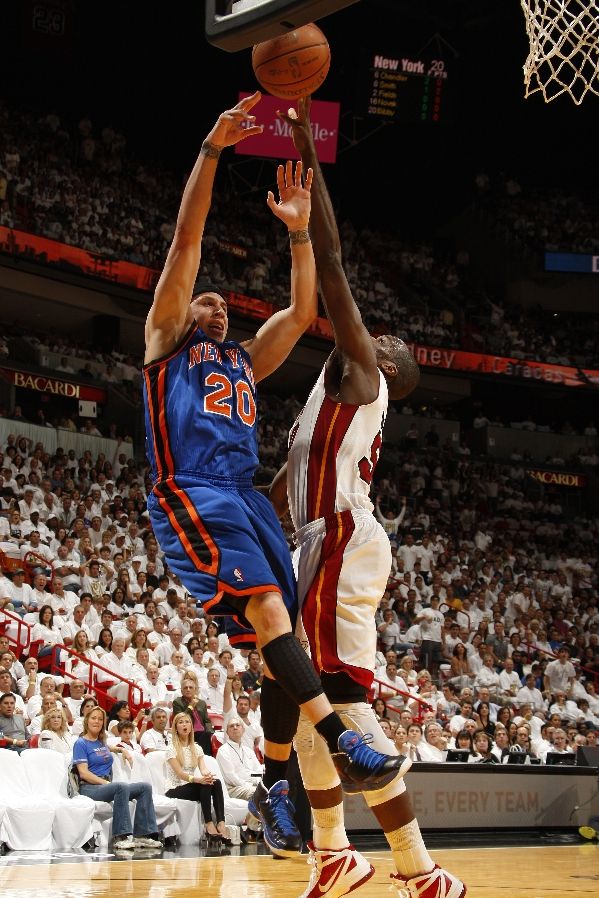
x=117, y=662
x=213, y=691
x=168, y=608
x=62, y=601
x=509, y=681
x=9, y=662
x=180, y=620
x=38, y=590
x=34, y=524
x=45, y=630
x=6, y=689
x=488, y=676
x=407, y=553
x=253, y=735
x=175, y=644
x=159, y=737
x=530, y=695
x=390, y=523
x=159, y=635
x=91, y=615
x=68, y=569
x=21, y=594
x=425, y=554
x=389, y=630
x=560, y=745
x=27, y=504
x=559, y=674
x=172, y=673
x=75, y=698
x=434, y=745
x=155, y=690
x=198, y=627
x=567, y=710
x=395, y=700
x=96, y=578
x=35, y=552
x=74, y=625
x=239, y=765
x=47, y=687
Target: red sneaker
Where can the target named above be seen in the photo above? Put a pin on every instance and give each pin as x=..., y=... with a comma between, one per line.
x=436, y=884
x=336, y=873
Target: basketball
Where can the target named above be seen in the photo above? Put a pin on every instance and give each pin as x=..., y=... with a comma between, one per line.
x=293, y=65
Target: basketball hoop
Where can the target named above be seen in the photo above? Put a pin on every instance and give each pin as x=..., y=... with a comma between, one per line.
x=564, y=48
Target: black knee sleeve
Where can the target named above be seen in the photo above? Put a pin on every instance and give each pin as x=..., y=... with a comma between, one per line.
x=278, y=716
x=292, y=669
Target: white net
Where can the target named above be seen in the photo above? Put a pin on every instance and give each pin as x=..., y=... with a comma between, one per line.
x=564, y=48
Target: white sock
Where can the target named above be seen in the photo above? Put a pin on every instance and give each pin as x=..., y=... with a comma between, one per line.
x=409, y=851
x=329, y=829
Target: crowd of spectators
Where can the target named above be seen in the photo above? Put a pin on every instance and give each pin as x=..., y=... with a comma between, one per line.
x=79, y=359
x=75, y=185
x=491, y=581
x=542, y=220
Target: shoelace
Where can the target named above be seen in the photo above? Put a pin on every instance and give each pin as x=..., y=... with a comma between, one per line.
x=400, y=892
x=362, y=754
x=283, y=811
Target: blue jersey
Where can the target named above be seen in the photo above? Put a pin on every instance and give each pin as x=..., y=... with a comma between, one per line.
x=200, y=411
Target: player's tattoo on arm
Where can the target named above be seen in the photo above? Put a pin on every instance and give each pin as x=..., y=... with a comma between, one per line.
x=211, y=150
x=299, y=236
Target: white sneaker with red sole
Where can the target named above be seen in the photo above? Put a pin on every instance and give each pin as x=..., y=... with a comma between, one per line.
x=336, y=873
x=436, y=884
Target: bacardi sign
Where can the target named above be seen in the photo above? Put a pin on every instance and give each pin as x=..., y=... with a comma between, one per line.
x=69, y=390
x=558, y=478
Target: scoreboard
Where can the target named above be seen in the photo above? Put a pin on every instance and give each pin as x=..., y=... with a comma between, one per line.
x=404, y=88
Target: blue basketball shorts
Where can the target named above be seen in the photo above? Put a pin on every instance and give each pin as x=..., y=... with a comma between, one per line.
x=223, y=541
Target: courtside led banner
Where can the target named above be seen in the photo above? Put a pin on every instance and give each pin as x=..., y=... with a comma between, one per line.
x=582, y=262
x=275, y=141
x=45, y=251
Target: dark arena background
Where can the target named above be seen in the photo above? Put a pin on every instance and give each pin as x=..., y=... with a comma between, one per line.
x=469, y=223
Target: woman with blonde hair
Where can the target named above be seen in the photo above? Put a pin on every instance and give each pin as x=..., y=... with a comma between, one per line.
x=93, y=759
x=80, y=645
x=55, y=732
x=189, y=779
x=407, y=670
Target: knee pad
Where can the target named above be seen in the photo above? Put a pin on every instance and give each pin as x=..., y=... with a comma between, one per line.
x=291, y=668
x=317, y=768
x=279, y=716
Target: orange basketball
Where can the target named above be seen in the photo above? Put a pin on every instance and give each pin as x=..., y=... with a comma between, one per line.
x=293, y=65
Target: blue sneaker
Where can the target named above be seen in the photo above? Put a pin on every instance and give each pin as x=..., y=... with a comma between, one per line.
x=275, y=812
x=361, y=768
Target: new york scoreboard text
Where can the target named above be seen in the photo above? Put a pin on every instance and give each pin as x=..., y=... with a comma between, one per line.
x=405, y=88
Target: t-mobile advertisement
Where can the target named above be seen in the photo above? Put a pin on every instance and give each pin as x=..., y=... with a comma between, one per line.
x=275, y=141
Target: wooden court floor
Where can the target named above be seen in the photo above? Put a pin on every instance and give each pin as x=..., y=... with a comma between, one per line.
x=568, y=872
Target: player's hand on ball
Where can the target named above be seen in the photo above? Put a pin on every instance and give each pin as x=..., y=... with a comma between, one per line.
x=299, y=122
x=236, y=124
x=293, y=207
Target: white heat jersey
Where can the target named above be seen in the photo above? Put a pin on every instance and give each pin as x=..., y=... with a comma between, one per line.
x=333, y=451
